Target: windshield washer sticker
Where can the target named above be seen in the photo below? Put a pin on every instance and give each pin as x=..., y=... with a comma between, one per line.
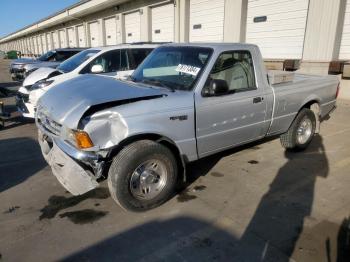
x=187, y=69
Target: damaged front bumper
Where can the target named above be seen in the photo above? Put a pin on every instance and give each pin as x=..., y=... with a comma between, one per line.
x=78, y=171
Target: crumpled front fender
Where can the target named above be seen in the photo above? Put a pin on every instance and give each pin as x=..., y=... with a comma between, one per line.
x=106, y=129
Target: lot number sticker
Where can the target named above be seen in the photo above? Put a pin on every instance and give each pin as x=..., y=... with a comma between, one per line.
x=187, y=69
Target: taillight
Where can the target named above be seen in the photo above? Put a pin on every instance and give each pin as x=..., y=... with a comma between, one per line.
x=337, y=93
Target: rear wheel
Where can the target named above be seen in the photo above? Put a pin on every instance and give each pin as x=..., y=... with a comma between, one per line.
x=301, y=132
x=142, y=176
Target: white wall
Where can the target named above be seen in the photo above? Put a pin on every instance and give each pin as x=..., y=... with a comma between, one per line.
x=323, y=30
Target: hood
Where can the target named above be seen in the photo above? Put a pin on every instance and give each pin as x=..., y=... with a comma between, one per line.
x=67, y=102
x=41, y=64
x=40, y=74
x=25, y=61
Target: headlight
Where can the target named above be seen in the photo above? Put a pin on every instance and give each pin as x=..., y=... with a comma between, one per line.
x=77, y=138
x=41, y=84
x=27, y=73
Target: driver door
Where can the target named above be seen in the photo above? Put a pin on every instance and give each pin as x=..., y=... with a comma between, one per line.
x=235, y=117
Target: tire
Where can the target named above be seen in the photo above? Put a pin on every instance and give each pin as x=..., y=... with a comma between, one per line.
x=123, y=178
x=289, y=140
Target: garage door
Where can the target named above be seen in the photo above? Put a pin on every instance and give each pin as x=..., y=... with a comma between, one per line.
x=35, y=45
x=345, y=40
x=207, y=20
x=44, y=44
x=56, y=44
x=71, y=37
x=111, y=31
x=63, y=38
x=29, y=46
x=163, y=23
x=132, y=27
x=81, y=36
x=93, y=29
x=38, y=41
x=278, y=27
x=49, y=41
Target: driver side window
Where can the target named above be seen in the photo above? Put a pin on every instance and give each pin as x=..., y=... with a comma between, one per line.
x=236, y=68
x=110, y=62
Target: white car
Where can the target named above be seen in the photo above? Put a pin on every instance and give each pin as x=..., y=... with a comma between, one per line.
x=113, y=61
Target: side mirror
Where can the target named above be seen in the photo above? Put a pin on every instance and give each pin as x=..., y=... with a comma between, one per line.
x=217, y=87
x=97, y=69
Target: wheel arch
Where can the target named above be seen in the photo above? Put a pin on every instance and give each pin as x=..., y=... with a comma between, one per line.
x=309, y=103
x=181, y=159
x=314, y=106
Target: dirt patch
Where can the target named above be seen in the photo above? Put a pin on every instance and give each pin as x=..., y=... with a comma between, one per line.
x=184, y=196
x=84, y=216
x=11, y=209
x=216, y=174
x=255, y=148
x=202, y=242
x=58, y=203
x=199, y=188
x=253, y=162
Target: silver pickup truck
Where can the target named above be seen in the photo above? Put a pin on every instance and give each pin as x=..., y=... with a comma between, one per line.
x=184, y=102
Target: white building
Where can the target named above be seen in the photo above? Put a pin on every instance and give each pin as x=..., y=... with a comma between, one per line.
x=315, y=32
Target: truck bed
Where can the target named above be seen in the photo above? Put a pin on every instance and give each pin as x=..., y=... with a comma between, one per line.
x=291, y=96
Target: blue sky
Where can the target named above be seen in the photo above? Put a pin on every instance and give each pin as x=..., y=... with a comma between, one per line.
x=16, y=14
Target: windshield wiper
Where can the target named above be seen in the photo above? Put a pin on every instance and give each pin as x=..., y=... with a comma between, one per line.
x=157, y=83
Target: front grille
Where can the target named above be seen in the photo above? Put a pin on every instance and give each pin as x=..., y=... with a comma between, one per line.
x=24, y=97
x=48, y=124
x=16, y=70
x=22, y=107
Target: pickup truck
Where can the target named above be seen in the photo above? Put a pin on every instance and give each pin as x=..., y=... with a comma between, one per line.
x=183, y=103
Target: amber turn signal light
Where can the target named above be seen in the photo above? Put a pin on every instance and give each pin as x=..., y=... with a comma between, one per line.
x=83, y=140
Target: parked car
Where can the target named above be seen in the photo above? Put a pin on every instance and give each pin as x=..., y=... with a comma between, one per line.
x=114, y=61
x=21, y=68
x=184, y=102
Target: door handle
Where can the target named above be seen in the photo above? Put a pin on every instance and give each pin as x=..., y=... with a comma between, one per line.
x=257, y=100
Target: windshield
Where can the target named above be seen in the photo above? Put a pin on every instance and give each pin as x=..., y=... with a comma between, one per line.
x=76, y=60
x=173, y=67
x=46, y=56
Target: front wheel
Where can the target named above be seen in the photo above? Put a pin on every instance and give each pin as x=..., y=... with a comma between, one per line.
x=301, y=132
x=142, y=176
